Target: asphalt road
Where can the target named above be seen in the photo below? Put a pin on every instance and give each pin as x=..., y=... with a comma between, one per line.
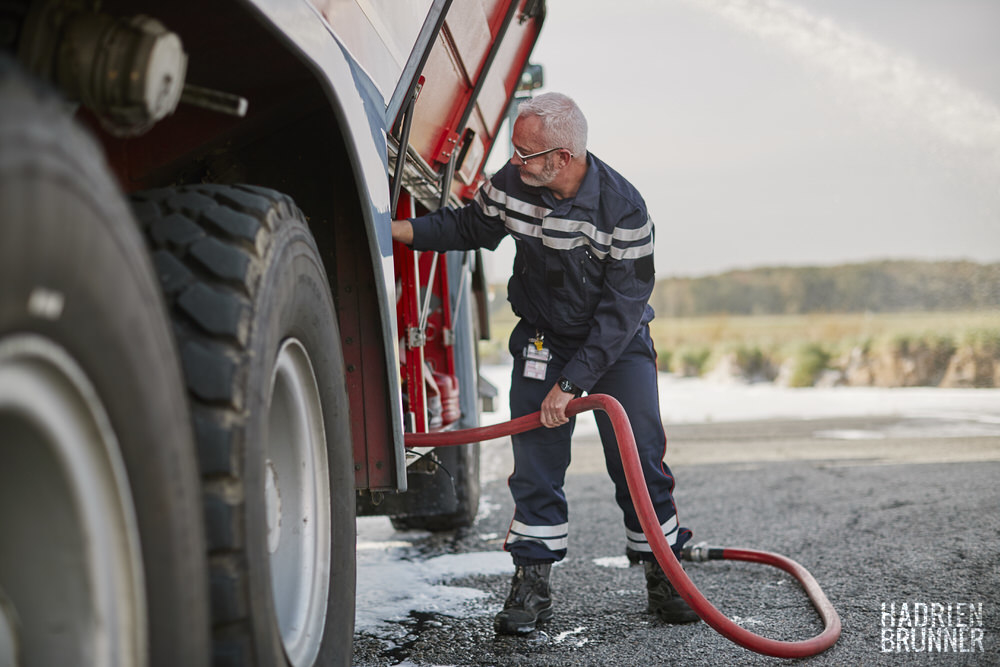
x=880, y=511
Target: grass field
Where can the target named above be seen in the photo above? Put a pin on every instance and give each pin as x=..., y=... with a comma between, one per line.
x=776, y=331
x=698, y=341
x=813, y=343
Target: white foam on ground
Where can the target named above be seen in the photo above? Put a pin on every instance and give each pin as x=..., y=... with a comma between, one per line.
x=616, y=562
x=393, y=580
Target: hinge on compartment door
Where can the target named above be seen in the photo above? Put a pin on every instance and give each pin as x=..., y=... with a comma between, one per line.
x=449, y=142
x=415, y=337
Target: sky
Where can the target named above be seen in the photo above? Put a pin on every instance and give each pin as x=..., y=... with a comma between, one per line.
x=791, y=132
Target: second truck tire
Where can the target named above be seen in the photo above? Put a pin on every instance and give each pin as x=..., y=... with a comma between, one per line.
x=262, y=359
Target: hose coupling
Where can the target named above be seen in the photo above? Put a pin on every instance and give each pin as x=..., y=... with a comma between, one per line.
x=700, y=552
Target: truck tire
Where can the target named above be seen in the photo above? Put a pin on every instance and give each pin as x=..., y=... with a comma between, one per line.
x=261, y=353
x=102, y=553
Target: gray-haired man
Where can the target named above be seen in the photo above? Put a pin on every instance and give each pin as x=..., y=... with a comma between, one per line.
x=583, y=274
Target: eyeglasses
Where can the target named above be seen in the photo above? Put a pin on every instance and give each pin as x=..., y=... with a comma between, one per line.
x=525, y=158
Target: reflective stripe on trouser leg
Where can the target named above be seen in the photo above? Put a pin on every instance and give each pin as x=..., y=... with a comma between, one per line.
x=636, y=541
x=541, y=456
x=552, y=538
x=633, y=382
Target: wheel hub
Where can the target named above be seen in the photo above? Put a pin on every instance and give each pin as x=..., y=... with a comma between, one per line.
x=70, y=559
x=297, y=492
x=272, y=498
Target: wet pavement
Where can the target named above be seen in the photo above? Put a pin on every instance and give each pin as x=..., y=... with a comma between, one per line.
x=897, y=519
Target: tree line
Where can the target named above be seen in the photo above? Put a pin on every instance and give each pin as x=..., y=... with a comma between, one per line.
x=879, y=287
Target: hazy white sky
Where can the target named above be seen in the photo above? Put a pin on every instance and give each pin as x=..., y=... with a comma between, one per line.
x=766, y=132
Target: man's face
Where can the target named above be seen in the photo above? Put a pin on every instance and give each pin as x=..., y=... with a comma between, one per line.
x=527, y=139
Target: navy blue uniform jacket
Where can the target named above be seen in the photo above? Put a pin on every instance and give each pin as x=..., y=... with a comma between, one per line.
x=583, y=270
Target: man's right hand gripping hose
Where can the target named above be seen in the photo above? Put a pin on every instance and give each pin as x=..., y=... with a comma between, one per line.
x=662, y=551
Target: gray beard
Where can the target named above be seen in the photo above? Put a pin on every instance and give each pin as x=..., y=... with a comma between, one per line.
x=549, y=173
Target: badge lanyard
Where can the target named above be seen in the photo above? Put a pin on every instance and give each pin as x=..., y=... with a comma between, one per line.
x=536, y=357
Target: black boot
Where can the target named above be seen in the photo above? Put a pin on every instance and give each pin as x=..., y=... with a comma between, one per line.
x=529, y=601
x=664, y=600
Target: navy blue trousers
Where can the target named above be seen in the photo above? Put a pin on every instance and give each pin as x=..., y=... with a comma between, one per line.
x=540, y=529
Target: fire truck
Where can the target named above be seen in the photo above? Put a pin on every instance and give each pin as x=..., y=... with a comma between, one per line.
x=210, y=347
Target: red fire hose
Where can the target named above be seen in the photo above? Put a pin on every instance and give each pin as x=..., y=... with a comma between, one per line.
x=651, y=528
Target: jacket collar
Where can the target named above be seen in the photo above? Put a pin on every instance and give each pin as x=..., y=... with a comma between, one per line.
x=589, y=194
x=587, y=197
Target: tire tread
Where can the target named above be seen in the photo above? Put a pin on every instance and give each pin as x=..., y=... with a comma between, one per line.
x=210, y=245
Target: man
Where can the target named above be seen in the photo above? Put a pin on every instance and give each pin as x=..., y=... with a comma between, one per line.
x=583, y=273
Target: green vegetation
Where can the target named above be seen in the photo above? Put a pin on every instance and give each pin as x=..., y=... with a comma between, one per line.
x=754, y=361
x=879, y=287
x=809, y=361
x=983, y=340
x=891, y=349
x=883, y=324
x=774, y=334
x=692, y=360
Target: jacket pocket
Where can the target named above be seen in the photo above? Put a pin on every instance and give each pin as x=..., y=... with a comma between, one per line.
x=574, y=279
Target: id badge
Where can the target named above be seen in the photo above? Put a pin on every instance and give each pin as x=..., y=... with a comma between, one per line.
x=536, y=359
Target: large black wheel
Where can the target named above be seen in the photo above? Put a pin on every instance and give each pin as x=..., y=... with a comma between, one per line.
x=261, y=354
x=102, y=546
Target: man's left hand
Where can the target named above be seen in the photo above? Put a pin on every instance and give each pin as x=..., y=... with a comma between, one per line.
x=554, y=407
x=402, y=231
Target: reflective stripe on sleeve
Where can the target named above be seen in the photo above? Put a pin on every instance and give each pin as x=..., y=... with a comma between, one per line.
x=492, y=198
x=563, y=233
